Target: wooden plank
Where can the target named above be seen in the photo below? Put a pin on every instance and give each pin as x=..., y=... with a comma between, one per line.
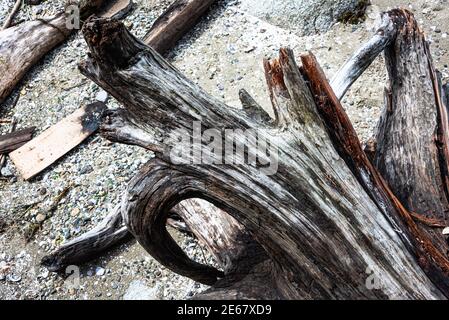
x=55, y=142
x=11, y=141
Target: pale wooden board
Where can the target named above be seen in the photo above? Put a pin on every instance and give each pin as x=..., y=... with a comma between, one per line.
x=39, y=153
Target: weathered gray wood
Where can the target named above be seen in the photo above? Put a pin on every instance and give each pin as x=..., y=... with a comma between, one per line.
x=431, y=259
x=118, y=127
x=364, y=56
x=312, y=217
x=24, y=45
x=116, y=9
x=412, y=134
x=108, y=233
x=253, y=109
x=3, y=156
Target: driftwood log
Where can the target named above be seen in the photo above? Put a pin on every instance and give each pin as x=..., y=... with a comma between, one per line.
x=24, y=45
x=331, y=217
x=175, y=22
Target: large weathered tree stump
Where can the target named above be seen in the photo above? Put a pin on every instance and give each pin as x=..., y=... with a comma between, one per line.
x=312, y=218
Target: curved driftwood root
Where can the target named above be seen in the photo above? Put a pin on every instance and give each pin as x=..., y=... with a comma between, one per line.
x=312, y=216
x=316, y=224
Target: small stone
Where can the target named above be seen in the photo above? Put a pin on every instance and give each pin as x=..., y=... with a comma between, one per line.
x=40, y=218
x=42, y=191
x=102, y=96
x=75, y=212
x=129, y=25
x=99, y=271
x=13, y=278
x=437, y=7
x=6, y=172
x=86, y=169
x=137, y=290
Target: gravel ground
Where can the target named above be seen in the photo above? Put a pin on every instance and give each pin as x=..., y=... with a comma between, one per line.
x=223, y=54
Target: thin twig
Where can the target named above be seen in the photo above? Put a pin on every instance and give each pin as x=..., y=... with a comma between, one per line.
x=14, y=11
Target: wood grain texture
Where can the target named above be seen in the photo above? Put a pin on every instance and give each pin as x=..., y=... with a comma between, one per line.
x=56, y=141
x=412, y=134
x=344, y=137
x=320, y=229
x=109, y=233
x=102, y=238
x=24, y=45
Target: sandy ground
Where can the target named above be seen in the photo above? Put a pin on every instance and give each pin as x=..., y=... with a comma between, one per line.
x=223, y=54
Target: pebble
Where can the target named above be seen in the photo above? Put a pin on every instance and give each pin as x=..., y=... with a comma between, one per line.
x=99, y=271
x=75, y=212
x=6, y=172
x=102, y=96
x=86, y=169
x=40, y=218
x=13, y=278
x=137, y=290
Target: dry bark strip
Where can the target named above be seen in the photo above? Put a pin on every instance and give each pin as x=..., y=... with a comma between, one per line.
x=14, y=140
x=170, y=27
x=318, y=226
